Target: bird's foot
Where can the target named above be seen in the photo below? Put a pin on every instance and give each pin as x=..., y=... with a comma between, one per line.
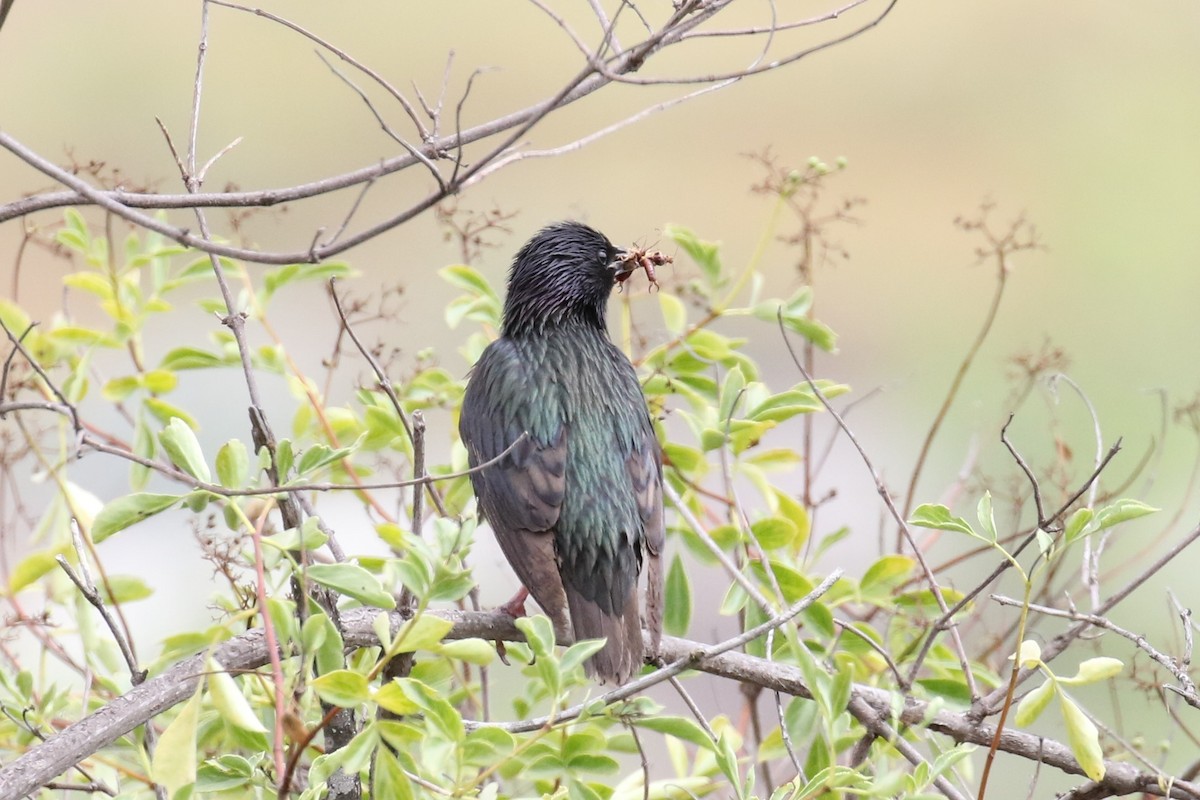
x=502, y=652
x=515, y=607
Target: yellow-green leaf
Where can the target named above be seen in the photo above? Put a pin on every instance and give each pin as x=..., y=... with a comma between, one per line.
x=175, y=755
x=1083, y=738
x=125, y=511
x=181, y=445
x=342, y=687
x=233, y=464
x=30, y=569
x=473, y=651
x=352, y=581
x=1033, y=704
x=1029, y=654
x=1095, y=670
x=422, y=633
x=674, y=312
x=677, y=605
x=938, y=517
x=229, y=700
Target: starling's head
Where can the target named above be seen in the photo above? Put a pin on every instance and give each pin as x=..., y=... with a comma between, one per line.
x=564, y=274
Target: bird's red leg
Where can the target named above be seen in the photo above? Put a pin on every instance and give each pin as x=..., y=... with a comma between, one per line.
x=515, y=607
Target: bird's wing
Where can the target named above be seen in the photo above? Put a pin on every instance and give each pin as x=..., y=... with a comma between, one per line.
x=644, y=466
x=522, y=493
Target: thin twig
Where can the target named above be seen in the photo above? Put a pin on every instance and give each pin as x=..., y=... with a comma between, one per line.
x=385, y=384
x=18, y=346
x=343, y=55
x=1178, y=668
x=87, y=588
x=886, y=496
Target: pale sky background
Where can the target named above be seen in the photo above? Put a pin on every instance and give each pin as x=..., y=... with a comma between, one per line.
x=1085, y=116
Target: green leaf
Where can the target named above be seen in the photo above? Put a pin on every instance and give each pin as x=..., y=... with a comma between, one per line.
x=164, y=412
x=987, y=520
x=487, y=746
x=674, y=313
x=16, y=320
x=308, y=536
x=125, y=511
x=473, y=651
x=179, y=442
x=144, y=446
x=320, y=455
x=773, y=533
x=956, y=691
x=679, y=727
x=175, y=754
x=124, y=589
x=727, y=758
x=468, y=279
x=1079, y=524
x=938, y=517
x=735, y=599
x=1029, y=654
x=352, y=581
x=190, y=358
x=222, y=774
x=92, y=282
x=677, y=606
x=329, y=651
x=443, y=718
x=424, y=632
x=705, y=254
x=1094, y=670
x=1033, y=704
x=731, y=392
x=1122, y=511
x=799, y=400
x=284, y=457
x=82, y=337
x=233, y=464
x=277, y=278
x=1083, y=738
x=229, y=700
x=818, y=333
x=75, y=221
x=118, y=389
x=160, y=381
x=31, y=569
x=393, y=698
x=390, y=780
x=576, y=654
x=342, y=687
x=886, y=574
x=539, y=633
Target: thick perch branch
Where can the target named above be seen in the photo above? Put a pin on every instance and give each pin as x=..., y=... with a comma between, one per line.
x=248, y=651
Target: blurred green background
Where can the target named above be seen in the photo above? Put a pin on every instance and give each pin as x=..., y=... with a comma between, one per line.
x=1083, y=116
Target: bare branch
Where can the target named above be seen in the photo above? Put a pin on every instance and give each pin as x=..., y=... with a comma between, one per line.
x=248, y=651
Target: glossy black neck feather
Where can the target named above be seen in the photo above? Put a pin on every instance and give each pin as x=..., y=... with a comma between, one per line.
x=561, y=278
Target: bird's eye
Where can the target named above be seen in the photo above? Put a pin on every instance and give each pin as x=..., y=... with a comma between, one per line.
x=602, y=254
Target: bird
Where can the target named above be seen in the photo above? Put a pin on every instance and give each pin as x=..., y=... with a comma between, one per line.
x=567, y=467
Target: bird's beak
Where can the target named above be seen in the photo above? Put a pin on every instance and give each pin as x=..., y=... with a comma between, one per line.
x=622, y=265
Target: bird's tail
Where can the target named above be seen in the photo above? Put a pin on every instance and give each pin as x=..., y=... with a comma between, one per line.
x=622, y=654
x=654, y=602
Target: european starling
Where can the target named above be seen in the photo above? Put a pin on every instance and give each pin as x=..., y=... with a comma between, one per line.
x=576, y=506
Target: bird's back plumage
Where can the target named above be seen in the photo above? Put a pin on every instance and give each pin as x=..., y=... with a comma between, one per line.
x=577, y=505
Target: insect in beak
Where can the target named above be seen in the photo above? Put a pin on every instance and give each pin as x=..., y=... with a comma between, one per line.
x=623, y=265
x=630, y=261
